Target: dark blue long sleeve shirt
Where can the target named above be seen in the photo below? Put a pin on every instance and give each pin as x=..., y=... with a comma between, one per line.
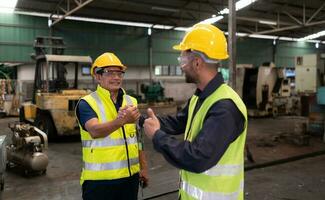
x=222, y=125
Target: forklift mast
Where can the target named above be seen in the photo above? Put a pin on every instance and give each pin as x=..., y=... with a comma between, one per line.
x=49, y=45
x=49, y=76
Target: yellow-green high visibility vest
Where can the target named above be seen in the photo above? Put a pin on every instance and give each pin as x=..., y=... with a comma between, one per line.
x=225, y=180
x=115, y=156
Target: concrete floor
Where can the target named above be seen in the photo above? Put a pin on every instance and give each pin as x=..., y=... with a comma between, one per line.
x=299, y=180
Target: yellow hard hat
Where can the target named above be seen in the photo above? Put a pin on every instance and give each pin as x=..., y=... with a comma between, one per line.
x=207, y=39
x=107, y=60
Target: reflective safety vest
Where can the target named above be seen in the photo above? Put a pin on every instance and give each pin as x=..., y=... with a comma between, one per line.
x=116, y=155
x=225, y=180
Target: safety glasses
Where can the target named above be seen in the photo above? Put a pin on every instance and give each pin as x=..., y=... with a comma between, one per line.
x=113, y=73
x=184, y=60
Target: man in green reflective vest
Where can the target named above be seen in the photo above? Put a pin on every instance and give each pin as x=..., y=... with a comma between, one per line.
x=211, y=156
x=113, y=164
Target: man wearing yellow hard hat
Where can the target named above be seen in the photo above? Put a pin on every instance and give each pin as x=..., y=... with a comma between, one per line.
x=211, y=156
x=113, y=164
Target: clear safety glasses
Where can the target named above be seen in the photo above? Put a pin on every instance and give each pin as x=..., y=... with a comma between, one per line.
x=113, y=73
x=184, y=60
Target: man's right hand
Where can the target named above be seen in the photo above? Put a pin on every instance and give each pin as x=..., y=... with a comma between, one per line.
x=128, y=114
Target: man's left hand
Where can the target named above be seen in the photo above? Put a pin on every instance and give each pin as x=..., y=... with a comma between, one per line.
x=143, y=175
x=151, y=124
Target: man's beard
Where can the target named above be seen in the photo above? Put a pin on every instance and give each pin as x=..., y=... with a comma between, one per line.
x=189, y=78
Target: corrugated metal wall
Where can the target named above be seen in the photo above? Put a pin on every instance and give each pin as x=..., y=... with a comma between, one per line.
x=17, y=33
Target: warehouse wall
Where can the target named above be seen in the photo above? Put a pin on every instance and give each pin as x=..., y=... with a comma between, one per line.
x=17, y=33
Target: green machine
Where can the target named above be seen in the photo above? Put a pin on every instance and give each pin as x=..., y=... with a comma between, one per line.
x=153, y=92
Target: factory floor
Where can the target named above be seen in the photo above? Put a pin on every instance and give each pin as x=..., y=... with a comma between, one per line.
x=268, y=140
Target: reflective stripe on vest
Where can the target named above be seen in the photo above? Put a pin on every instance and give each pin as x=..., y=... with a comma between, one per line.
x=228, y=170
x=199, y=194
x=128, y=100
x=108, y=142
x=100, y=105
x=110, y=165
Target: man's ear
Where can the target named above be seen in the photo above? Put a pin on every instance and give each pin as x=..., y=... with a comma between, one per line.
x=198, y=63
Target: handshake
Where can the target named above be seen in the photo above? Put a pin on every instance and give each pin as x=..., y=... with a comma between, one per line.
x=130, y=114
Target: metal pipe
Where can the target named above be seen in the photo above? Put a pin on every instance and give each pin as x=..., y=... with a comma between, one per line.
x=232, y=43
x=150, y=57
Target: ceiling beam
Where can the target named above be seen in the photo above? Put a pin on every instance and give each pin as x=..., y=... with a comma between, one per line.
x=132, y=16
x=292, y=17
x=57, y=17
x=290, y=27
x=315, y=13
x=254, y=19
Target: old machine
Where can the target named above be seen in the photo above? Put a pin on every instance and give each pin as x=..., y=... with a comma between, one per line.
x=27, y=148
x=267, y=90
x=155, y=98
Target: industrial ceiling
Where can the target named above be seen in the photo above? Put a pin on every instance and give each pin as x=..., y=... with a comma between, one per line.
x=288, y=18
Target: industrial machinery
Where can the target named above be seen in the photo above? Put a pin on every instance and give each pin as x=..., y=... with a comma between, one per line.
x=310, y=70
x=26, y=148
x=153, y=92
x=266, y=90
x=55, y=92
x=310, y=82
x=155, y=99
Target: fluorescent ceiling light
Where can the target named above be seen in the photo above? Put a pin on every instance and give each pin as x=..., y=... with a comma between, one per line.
x=239, y=5
x=105, y=21
x=272, y=37
x=182, y=28
x=263, y=36
x=288, y=39
x=7, y=6
x=149, y=31
x=267, y=22
x=159, y=26
x=238, y=34
x=212, y=20
x=313, y=36
x=241, y=34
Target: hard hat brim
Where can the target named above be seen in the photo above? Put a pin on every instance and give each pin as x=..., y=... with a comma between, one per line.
x=180, y=47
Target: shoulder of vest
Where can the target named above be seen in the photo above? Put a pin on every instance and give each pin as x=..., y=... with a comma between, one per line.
x=87, y=97
x=133, y=99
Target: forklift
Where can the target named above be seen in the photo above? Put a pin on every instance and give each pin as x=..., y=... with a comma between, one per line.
x=54, y=96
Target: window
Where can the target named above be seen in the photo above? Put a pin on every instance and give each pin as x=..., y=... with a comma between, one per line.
x=165, y=70
x=168, y=70
x=85, y=70
x=172, y=70
x=179, y=71
x=158, y=70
